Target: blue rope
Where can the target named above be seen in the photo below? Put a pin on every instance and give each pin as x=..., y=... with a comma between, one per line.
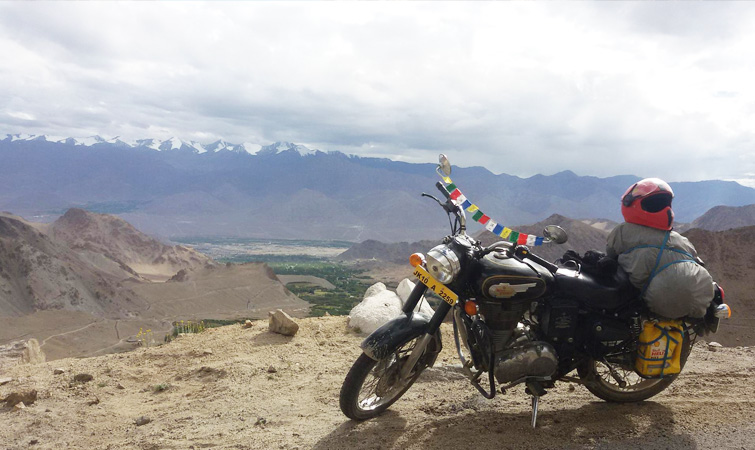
x=653, y=272
x=658, y=247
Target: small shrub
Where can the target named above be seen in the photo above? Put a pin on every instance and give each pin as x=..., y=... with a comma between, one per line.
x=160, y=387
x=145, y=338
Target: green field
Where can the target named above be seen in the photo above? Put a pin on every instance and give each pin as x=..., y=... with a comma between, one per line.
x=336, y=302
x=295, y=257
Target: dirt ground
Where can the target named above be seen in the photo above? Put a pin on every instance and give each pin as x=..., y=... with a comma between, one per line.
x=236, y=388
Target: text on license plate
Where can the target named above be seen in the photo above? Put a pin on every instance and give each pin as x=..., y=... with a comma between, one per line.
x=438, y=288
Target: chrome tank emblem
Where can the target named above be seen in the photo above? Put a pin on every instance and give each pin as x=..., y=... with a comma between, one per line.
x=508, y=290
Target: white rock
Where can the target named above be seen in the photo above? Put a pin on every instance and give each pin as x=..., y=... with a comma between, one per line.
x=404, y=289
x=381, y=305
x=376, y=309
x=5, y=380
x=714, y=346
x=374, y=289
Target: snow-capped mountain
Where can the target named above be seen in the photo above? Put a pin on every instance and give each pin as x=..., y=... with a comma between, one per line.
x=172, y=144
x=280, y=147
x=177, y=187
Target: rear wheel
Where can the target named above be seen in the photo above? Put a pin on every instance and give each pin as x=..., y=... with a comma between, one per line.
x=372, y=386
x=601, y=383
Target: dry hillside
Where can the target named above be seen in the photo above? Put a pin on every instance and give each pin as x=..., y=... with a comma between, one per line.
x=582, y=237
x=87, y=283
x=722, y=218
x=235, y=388
x=107, y=240
x=730, y=257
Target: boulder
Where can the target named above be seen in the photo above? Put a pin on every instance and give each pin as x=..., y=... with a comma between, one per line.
x=282, y=323
x=378, y=307
x=27, y=398
x=381, y=305
x=83, y=378
x=374, y=289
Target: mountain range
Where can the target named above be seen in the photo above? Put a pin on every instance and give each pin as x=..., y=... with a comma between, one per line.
x=178, y=188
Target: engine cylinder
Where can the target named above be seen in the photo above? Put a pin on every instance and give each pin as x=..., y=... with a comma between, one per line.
x=533, y=359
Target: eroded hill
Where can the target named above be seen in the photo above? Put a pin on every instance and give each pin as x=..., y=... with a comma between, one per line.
x=88, y=283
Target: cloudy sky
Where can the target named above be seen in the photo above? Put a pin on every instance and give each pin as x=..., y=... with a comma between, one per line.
x=651, y=89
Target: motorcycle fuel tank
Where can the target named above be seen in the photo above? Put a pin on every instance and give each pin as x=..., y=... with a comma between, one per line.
x=508, y=279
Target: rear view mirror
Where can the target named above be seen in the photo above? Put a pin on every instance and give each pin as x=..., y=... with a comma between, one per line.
x=555, y=233
x=444, y=165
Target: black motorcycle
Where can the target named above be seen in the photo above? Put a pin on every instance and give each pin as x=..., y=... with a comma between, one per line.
x=517, y=318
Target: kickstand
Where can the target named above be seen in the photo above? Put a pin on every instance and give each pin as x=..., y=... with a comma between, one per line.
x=536, y=390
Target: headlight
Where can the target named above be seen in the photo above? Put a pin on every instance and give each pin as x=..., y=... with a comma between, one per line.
x=443, y=264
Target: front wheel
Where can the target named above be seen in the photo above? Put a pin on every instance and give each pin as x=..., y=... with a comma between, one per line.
x=599, y=381
x=372, y=386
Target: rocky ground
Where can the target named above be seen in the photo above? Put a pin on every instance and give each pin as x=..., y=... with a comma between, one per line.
x=237, y=388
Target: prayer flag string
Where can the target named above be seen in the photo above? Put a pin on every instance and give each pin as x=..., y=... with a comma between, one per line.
x=483, y=219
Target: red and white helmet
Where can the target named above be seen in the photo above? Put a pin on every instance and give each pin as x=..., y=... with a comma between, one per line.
x=648, y=202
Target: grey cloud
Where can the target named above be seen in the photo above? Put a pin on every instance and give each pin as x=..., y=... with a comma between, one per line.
x=398, y=80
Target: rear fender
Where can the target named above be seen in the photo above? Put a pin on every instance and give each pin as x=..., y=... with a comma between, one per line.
x=383, y=341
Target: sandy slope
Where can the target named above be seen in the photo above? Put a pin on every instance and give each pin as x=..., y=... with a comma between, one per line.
x=250, y=389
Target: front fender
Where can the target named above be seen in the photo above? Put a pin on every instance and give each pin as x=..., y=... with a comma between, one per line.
x=383, y=341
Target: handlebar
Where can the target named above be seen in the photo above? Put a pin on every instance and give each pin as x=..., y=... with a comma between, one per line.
x=443, y=190
x=523, y=252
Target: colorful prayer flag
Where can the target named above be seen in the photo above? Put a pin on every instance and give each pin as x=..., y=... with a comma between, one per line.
x=506, y=233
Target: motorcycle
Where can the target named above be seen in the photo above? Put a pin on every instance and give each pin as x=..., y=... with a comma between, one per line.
x=517, y=318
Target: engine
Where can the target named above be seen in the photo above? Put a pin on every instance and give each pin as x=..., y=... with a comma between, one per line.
x=507, y=287
x=531, y=359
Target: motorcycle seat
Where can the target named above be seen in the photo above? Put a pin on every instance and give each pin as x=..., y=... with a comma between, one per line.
x=595, y=291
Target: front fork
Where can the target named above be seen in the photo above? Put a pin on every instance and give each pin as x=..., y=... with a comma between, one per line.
x=432, y=327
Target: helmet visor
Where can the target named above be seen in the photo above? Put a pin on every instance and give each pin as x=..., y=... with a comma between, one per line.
x=645, y=188
x=657, y=202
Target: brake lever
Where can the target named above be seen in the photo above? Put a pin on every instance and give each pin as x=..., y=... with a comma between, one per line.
x=448, y=207
x=430, y=196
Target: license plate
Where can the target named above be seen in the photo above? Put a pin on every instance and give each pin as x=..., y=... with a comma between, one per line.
x=434, y=285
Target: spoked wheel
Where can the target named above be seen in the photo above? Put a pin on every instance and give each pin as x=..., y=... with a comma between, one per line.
x=599, y=380
x=372, y=386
